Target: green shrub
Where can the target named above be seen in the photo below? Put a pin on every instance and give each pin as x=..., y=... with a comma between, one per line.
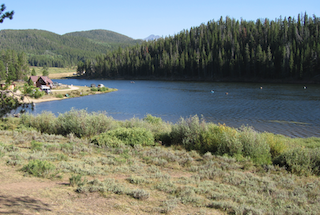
x=220, y=140
x=94, y=89
x=60, y=96
x=152, y=119
x=76, y=180
x=40, y=168
x=37, y=93
x=161, y=130
x=105, y=140
x=254, y=146
x=300, y=161
x=103, y=89
x=9, y=123
x=133, y=136
x=187, y=132
x=36, y=146
x=311, y=142
x=44, y=122
x=81, y=123
x=277, y=143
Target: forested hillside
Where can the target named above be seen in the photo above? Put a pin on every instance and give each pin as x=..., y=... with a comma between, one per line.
x=285, y=48
x=108, y=38
x=45, y=48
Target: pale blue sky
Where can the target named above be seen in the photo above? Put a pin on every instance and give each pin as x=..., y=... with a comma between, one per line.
x=138, y=19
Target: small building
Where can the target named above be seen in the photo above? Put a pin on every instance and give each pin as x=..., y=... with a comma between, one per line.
x=8, y=87
x=38, y=81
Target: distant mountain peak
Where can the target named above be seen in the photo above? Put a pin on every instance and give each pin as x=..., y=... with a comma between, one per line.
x=152, y=37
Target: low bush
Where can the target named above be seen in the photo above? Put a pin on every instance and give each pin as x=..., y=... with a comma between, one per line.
x=36, y=146
x=254, y=146
x=140, y=194
x=9, y=123
x=105, y=140
x=37, y=93
x=187, y=132
x=277, y=143
x=40, y=168
x=60, y=96
x=103, y=89
x=76, y=180
x=44, y=122
x=301, y=161
x=83, y=124
x=133, y=136
x=152, y=119
x=220, y=140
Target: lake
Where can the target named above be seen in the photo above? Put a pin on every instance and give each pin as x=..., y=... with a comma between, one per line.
x=286, y=109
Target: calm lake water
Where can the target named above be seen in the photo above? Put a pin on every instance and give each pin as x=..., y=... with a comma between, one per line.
x=286, y=109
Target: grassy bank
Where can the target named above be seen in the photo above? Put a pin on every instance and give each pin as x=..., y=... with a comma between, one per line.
x=56, y=73
x=143, y=166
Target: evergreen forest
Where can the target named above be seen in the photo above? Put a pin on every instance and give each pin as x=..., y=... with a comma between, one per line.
x=284, y=49
x=13, y=65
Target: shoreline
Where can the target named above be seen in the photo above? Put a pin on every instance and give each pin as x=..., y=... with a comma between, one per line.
x=243, y=80
x=48, y=98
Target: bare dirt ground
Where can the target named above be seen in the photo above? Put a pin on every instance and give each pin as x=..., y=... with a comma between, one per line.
x=30, y=195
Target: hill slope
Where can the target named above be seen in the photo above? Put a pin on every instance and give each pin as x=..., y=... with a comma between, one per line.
x=104, y=36
x=47, y=48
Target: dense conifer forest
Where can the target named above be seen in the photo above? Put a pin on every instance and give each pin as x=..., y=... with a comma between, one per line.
x=285, y=48
x=13, y=65
x=44, y=48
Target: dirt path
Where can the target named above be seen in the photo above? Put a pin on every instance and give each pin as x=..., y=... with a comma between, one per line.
x=70, y=88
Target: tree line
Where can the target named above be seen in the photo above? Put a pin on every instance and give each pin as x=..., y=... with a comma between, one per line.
x=284, y=48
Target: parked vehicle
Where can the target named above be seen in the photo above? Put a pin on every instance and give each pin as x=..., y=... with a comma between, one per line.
x=48, y=91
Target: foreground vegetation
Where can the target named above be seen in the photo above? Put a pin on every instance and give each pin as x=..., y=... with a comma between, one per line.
x=188, y=167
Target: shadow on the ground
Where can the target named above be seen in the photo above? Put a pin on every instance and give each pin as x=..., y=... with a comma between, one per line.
x=16, y=205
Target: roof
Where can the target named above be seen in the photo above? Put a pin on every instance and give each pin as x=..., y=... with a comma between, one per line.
x=44, y=78
x=34, y=78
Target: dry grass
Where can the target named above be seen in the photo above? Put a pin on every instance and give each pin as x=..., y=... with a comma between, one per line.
x=61, y=75
x=104, y=169
x=56, y=73
x=143, y=180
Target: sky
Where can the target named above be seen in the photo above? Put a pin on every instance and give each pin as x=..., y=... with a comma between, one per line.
x=140, y=18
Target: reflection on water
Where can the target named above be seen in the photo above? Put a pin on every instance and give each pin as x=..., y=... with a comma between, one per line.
x=284, y=109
